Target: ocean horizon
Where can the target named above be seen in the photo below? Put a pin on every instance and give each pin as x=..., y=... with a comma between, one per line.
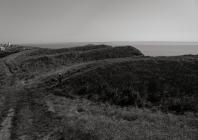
x=148, y=48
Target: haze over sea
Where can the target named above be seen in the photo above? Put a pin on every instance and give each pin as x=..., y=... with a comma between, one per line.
x=148, y=48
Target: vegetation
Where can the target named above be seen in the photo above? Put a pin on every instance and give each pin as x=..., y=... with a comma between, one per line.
x=50, y=60
x=97, y=92
x=13, y=49
x=143, y=82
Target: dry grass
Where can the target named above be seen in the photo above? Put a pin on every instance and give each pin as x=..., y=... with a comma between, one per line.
x=84, y=119
x=46, y=108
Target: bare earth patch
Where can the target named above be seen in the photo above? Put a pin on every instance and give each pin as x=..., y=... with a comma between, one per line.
x=6, y=125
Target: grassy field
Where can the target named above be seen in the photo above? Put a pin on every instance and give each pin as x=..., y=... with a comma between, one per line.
x=97, y=92
x=143, y=82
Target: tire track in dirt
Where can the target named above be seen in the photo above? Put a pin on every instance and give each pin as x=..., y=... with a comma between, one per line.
x=5, y=67
x=9, y=110
x=22, y=120
x=6, y=125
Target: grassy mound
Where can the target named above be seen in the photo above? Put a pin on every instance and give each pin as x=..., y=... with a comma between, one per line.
x=47, y=51
x=97, y=92
x=14, y=49
x=167, y=83
x=43, y=60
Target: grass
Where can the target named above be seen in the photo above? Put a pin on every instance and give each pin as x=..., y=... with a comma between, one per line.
x=45, y=60
x=84, y=119
x=143, y=82
x=103, y=93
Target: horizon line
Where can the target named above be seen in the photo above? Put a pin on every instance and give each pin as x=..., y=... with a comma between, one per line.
x=89, y=42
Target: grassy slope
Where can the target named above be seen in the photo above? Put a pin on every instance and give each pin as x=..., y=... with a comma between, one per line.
x=88, y=120
x=95, y=80
x=42, y=112
x=14, y=49
x=38, y=61
x=168, y=83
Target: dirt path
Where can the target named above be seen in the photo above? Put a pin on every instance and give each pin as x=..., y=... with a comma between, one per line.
x=6, y=125
x=5, y=67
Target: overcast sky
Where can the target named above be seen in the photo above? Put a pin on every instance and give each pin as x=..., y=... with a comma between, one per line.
x=45, y=21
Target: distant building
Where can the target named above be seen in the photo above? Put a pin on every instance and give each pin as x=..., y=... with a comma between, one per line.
x=2, y=48
x=9, y=44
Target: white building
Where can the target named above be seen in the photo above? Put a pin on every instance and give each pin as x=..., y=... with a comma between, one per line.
x=9, y=44
x=2, y=48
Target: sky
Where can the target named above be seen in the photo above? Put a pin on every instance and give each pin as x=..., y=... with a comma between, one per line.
x=52, y=21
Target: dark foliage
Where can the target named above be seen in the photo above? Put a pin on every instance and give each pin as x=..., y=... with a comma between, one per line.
x=169, y=83
x=35, y=63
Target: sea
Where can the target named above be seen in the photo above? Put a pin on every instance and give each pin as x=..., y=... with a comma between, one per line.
x=147, y=48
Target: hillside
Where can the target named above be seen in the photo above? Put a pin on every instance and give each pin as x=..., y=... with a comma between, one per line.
x=166, y=83
x=37, y=61
x=97, y=92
